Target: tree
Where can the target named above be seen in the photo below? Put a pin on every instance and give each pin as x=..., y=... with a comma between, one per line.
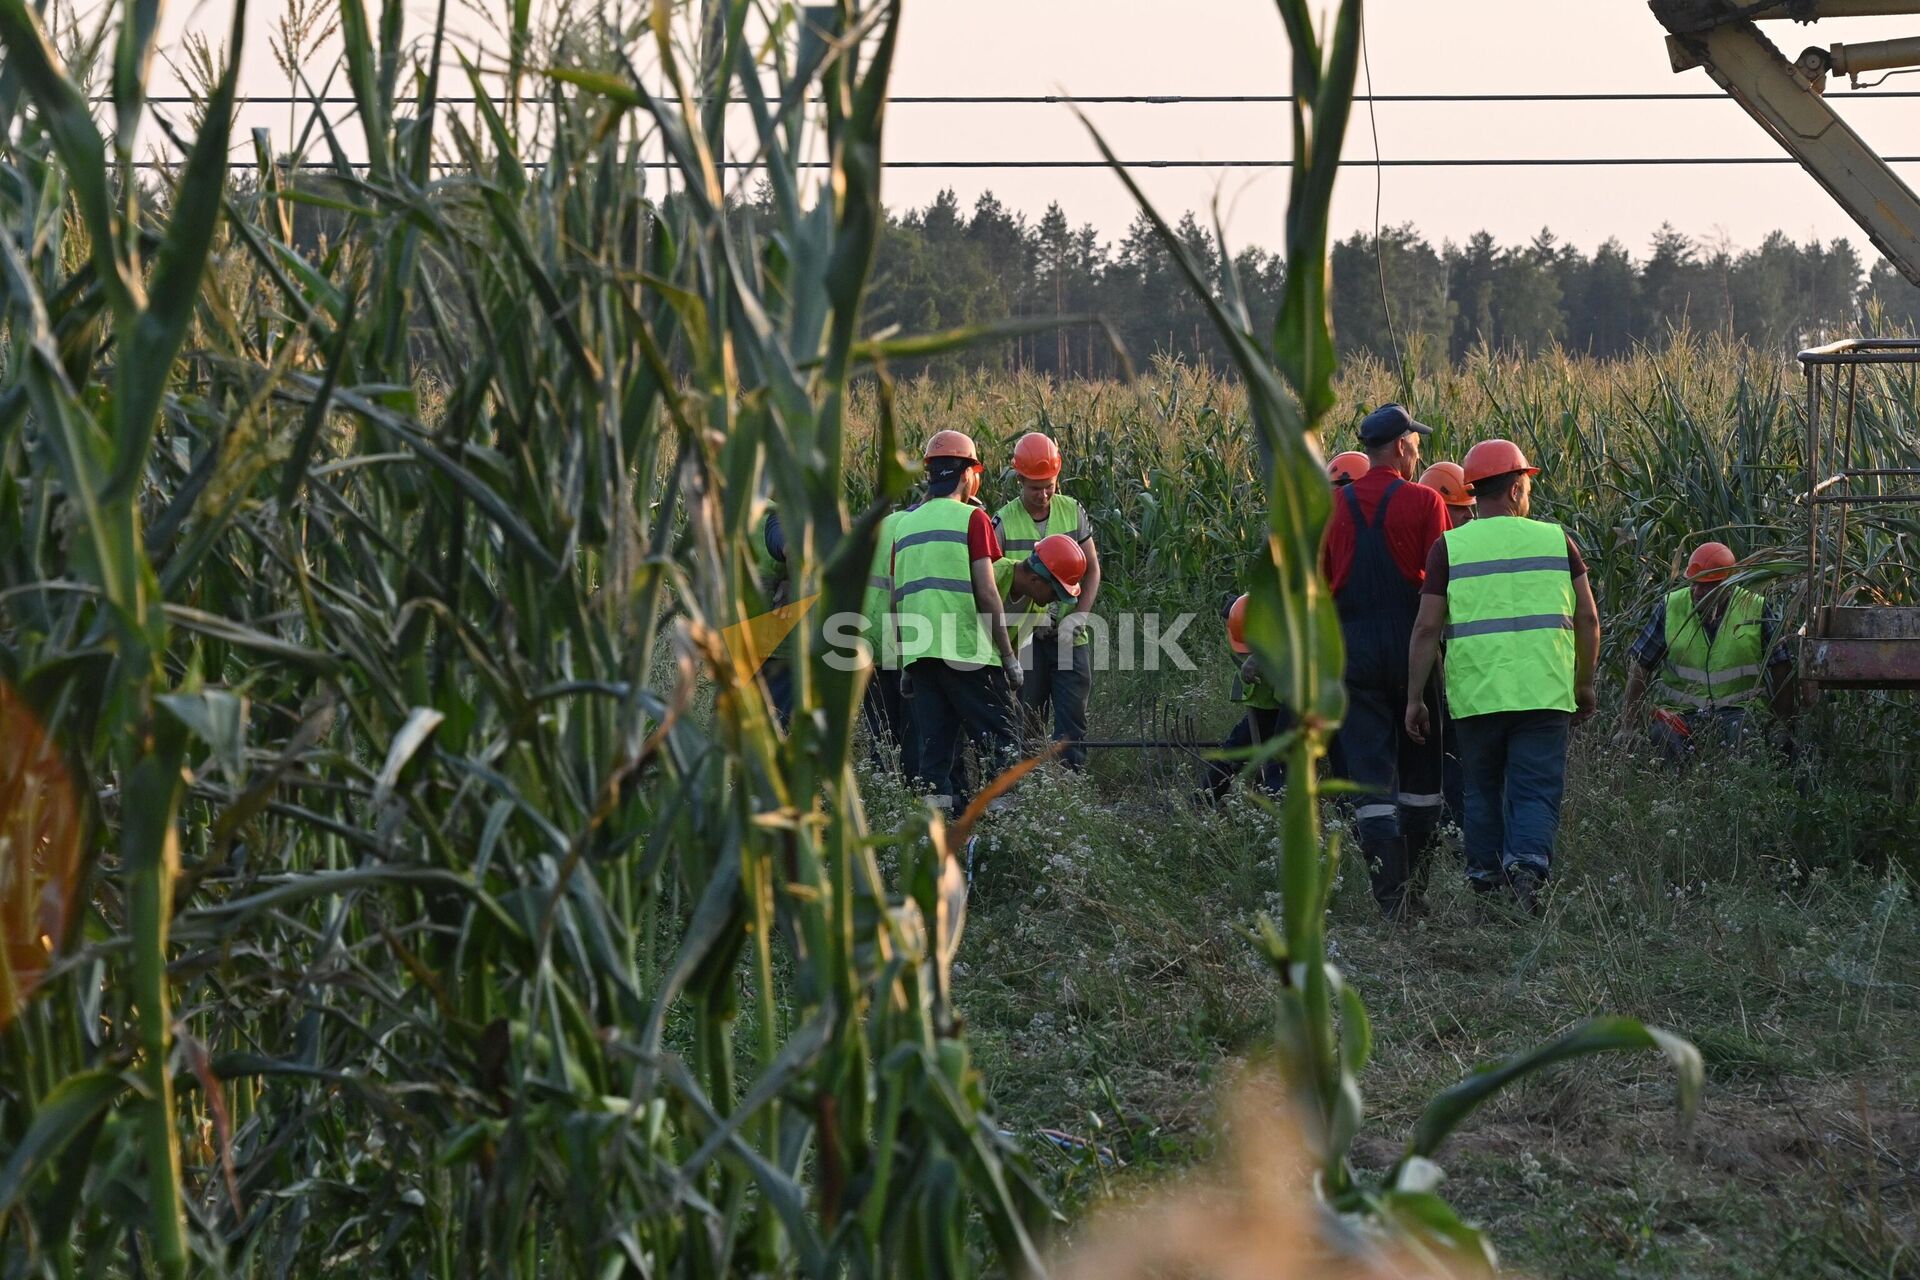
x=1416, y=296
x=1603, y=316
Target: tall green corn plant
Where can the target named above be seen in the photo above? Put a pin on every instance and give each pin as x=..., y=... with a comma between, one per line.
x=509, y=933
x=93, y=408
x=1323, y=1038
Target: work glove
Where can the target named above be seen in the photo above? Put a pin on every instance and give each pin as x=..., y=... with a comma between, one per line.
x=1015, y=676
x=906, y=686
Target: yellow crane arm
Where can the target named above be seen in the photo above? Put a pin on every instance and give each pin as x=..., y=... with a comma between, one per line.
x=1723, y=38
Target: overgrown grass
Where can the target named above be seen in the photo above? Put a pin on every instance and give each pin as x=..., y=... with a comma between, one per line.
x=1110, y=991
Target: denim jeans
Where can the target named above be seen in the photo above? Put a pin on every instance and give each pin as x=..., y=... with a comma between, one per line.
x=1515, y=764
x=1259, y=725
x=1063, y=687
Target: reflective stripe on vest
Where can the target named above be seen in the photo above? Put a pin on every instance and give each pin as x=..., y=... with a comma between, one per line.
x=933, y=587
x=1510, y=602
x=1019, y=535
x=1718, y=671
x=878, y=602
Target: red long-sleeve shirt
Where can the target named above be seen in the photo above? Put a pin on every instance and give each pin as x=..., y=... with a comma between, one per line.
x=1415, y=521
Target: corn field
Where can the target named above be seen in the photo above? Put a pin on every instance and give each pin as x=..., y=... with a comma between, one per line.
x=431, y=894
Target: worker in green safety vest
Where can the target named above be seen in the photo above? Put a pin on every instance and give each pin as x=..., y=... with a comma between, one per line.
x=1031, y=584
x=959, y=672
x=1711, y=652
x=884, y=707
x=1266, y=717
x=1060, y=668
x=1511, y=597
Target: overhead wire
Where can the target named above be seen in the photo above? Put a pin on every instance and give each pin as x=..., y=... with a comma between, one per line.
x=1379, y=194
x=1109, y=99
x=1479, y=162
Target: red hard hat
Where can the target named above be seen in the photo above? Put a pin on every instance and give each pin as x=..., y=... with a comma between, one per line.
x=1450, y=482
x=1492, y=458
x=952, y=444
x=1237, y=626
x=1036, y=457
x=1710, y=562
x=1348, y=467
x=1065, y=563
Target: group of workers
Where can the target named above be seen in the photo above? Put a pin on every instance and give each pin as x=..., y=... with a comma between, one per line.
x=1455, y=561
x=975, y=619
x=976, y=624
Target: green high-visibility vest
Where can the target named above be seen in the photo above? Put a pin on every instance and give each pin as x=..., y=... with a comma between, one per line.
x=1509, y=617
x=1721, y=671
x=879, y=598
x=1021, y=618
x=1019, y=535
x=933, y=587
x=1256, y=692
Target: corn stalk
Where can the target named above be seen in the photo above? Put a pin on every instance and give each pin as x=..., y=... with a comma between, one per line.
x=372, y=551
x=1323, y=1038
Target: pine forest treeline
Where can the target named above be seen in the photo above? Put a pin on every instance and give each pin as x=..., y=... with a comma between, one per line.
x=946, y=265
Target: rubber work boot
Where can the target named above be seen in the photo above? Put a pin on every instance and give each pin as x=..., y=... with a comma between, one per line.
x=1421, y=840
x=1526, y=889
x=1387, y=868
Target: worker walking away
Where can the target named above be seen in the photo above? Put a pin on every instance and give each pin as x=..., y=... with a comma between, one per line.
x=959, y=674
x=1059, y=672
x=1374, y=558
x=1511, y=597
x=1265, y=718
x=884, y=708
x=1345, y=468
x=1711, y=651
x=1449, y=481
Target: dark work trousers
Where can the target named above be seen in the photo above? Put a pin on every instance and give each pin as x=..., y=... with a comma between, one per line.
x=1710, y=728
x=888, y=725
x=950, y=709
x=1516, y=768
x=778, y=673
x=1453, y=781
x=1061, y=678
x=1260, y=724
x=1400, y=808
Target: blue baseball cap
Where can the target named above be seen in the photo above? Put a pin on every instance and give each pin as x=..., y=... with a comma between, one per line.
x=1388, y=423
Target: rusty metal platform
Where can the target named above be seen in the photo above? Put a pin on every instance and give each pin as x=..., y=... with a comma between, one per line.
x=1863, y=647
x=1849, y=643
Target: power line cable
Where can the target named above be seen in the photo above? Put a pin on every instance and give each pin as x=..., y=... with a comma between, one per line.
x=1116, y=99
x=1379, y=190
x=1424, y=162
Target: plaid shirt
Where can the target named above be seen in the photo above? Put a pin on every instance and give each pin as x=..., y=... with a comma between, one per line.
x=1650, y=650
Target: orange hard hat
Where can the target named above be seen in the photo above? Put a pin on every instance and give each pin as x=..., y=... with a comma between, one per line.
x=1450, y=482
x=1347, y=467
x=1710, y=562
x=1036, y=457
x=1237, y=626
x=1492, y=458
x=952, y=444
x=1062, y=562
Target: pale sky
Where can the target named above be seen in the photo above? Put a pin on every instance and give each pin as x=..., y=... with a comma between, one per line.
x=1093, y=47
